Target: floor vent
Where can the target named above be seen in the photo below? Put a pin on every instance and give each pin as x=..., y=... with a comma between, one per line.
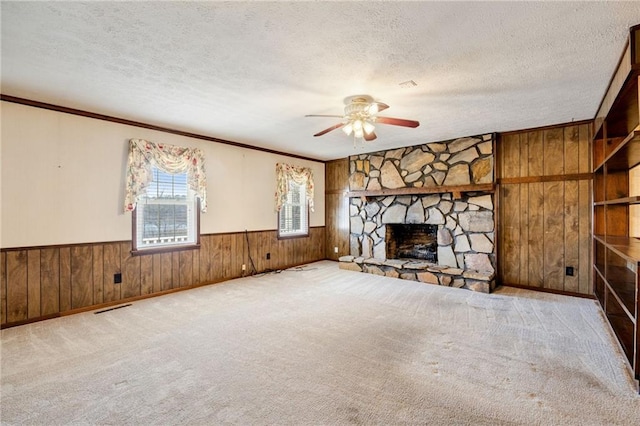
x=112, y=309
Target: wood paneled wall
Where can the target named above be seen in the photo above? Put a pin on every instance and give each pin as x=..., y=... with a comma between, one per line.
x=545, y=208
x=48, y=281
x=337, y=208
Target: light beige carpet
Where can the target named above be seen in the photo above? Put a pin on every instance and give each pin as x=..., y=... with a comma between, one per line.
x=322, y=346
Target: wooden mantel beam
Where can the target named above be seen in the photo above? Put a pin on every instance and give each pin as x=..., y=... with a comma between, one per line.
x=456, y=190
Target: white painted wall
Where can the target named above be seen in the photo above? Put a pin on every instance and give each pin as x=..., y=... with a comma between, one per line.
x=63, y=180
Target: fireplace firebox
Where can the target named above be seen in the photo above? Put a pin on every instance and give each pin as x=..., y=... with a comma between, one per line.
x=412, y=241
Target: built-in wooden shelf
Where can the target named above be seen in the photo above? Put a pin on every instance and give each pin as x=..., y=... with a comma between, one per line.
x=456, y=190
x=616, y=253
x=625, y=156
x=625, y=247
x=621, y=305
x=616, y=99
x=627, y=200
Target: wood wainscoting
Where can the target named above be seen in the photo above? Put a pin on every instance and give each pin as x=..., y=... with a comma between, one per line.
x=545, y=208
x=44, y=282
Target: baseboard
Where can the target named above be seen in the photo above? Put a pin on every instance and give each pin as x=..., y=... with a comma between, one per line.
x=550, y=290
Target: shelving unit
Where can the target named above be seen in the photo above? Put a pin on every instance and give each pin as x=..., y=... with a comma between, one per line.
x=616, y=150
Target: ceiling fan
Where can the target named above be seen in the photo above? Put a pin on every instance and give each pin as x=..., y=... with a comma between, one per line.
x=360, y=114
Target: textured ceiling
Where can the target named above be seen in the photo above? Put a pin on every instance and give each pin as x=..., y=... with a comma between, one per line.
x=250, y=71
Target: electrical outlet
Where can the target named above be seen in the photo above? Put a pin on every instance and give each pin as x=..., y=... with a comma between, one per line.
x=244, y=267
x=268, y=256
x=335, y=249
x=569, y=271
x=117, y=278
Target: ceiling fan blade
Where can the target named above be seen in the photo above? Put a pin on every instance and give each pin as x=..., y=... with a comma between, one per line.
x=337, y=126
x=397, y=121
x=382, y=106
x=369, y=136
x=320, y=115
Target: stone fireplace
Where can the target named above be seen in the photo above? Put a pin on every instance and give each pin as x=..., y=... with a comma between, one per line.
x=446, y=187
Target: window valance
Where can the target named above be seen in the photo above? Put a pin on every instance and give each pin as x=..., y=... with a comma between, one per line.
x=300, y=175
x=144, y=155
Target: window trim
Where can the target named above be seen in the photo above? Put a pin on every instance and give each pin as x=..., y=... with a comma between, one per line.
x=300, y=234
x=135, y=251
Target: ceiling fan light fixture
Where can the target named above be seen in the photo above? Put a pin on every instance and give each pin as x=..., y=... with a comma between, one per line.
x=361, y=117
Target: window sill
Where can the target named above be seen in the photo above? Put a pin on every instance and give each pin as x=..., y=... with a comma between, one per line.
x=165, y=249
x=293, y=236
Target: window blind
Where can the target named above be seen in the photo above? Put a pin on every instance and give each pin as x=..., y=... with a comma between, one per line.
x=293, y=214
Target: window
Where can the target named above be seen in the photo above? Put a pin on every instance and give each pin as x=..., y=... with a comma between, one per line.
x=293, y=217
x=166, y=189
x=166, y=215
x=294, y=199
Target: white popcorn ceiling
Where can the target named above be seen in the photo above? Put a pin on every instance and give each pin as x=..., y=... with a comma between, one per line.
x=250, y=71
